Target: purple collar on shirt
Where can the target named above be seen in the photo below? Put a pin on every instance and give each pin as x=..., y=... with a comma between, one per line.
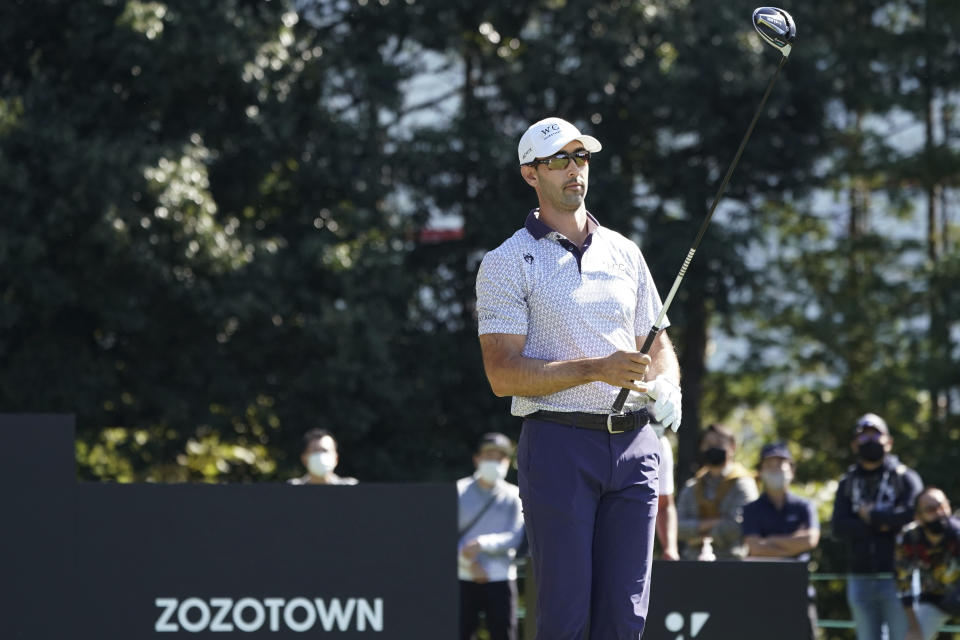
x=538, y=229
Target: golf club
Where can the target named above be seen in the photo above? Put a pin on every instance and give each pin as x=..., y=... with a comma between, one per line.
x=778, y=29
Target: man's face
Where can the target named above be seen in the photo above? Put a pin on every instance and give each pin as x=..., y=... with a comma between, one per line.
x=490, y=453
x=714, y=440
x=932, y=506
x=775, y=464
x=869, y=434
x=564, y=189
x=325, y=444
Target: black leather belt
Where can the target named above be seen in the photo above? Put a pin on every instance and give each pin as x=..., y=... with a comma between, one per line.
x=614, y=423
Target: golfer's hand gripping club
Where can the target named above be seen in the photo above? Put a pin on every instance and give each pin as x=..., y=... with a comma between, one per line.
x=644, y=349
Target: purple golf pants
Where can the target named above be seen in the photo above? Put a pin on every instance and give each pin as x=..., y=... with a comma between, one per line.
x=589, y=506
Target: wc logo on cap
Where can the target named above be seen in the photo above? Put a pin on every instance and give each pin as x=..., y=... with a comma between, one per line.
x=547, y=132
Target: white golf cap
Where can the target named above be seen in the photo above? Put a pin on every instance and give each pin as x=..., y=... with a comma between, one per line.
x=550, y=135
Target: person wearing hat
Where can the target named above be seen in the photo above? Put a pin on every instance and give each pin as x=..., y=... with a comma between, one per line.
x=876, y=497
x=779, y=524
x=490, y=529
x=563, y=306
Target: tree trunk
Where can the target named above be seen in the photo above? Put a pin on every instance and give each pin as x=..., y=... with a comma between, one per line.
x=939, y=332
x=858, y=193
x=693, y=368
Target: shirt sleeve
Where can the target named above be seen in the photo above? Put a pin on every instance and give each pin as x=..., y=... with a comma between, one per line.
x=501, y=301
x=648, y=302
x=903, y=566
x=813, y=520
x=687, y=520
x=751, y=523
x=844, y=523
x=726, y=533
x=505, y=542
x=902, y=512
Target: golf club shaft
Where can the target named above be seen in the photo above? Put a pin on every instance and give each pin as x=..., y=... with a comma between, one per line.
x=655, y=329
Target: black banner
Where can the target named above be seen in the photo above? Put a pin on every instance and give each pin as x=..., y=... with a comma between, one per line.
x=129, y=561
x=728, y=599
x=118, y=562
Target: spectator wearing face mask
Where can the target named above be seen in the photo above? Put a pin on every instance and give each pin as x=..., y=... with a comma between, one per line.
x=710, y=507
x=491, y=529
x=320, y=458
x=929, y=547
x=778, y=524
x=876, y=497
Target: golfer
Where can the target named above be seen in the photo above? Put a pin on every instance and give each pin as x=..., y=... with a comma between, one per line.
x=563, y=306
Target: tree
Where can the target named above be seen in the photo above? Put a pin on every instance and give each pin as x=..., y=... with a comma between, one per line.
x=213, y=165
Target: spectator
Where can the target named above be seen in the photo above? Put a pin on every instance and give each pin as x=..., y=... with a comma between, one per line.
x=779, y=524
x=874, y=500
x=666, y=507
x=320, y=458
x=930, y=547
x=711, y=504
x=491, y=528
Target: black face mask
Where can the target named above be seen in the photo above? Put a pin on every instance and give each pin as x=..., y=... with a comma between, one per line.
x=715, y=456
x=871, y=451
x=936, y=527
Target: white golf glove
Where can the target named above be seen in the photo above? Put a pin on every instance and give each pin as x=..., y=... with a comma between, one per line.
x=666, y=406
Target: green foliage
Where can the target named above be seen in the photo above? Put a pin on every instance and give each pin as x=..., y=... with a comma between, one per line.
x=212, y=212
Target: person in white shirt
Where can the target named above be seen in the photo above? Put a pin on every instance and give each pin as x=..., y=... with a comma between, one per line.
x=490, y=529
x=666, y=507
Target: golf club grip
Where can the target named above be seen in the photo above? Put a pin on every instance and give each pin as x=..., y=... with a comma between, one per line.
x=647, y=344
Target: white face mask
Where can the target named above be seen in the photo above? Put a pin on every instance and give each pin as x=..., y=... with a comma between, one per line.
x=321, y=463
x=775, y=480
x=491, y=471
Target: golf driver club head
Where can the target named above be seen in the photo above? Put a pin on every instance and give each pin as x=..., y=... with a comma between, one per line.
x=776, y=27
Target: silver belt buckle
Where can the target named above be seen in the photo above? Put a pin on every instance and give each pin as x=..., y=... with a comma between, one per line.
x=610, y=423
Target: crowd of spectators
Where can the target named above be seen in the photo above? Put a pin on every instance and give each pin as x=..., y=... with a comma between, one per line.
x=901, y=542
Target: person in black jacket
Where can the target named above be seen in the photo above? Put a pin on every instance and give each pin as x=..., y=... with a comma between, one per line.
x=875, y=499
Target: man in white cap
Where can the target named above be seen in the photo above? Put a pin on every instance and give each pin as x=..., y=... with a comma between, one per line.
x=563, y=306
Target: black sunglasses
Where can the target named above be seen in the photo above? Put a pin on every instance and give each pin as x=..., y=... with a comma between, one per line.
x=561, y=160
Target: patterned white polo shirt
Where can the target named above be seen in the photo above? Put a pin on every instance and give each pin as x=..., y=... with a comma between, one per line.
x=569, y=305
